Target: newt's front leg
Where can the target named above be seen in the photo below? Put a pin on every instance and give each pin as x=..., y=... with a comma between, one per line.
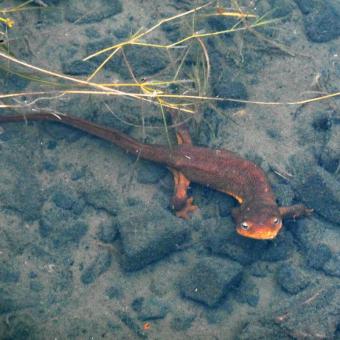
x=180, y=200
x=295, y=211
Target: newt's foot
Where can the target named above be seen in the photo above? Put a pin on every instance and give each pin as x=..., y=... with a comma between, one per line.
x=295, y=211
x=186, y=209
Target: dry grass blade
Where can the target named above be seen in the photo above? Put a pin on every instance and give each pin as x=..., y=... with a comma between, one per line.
x=150, y=92
x=134, y=39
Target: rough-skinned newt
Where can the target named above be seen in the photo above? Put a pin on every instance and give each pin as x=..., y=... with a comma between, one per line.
x=258, y=215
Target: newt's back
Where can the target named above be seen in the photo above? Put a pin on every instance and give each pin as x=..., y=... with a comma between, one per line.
x=220, y=169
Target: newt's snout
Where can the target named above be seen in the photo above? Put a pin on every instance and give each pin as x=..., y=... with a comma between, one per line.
x=260, y=231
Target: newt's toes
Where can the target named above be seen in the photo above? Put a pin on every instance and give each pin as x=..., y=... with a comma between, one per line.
x=309, y=211
x=187, y=209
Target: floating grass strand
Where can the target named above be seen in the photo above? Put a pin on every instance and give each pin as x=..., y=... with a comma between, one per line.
x=149, y=91
x=139, y=36
x=214, y=34
x=146, y=96
x=103, y=90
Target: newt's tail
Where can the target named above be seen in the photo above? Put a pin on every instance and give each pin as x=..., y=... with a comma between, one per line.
x=156, y=153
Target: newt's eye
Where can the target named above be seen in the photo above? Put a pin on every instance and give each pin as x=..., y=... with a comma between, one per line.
x=244, y=226
x=275, y=220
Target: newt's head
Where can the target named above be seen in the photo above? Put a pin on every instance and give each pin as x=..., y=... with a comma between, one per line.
x=261, y=222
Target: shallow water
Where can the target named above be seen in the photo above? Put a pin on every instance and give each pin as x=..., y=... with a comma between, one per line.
x=89, y=247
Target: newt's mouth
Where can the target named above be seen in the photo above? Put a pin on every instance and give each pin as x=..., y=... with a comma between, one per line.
x=260, y=232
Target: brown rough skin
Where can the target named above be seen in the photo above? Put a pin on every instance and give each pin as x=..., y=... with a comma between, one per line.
x=258, y=215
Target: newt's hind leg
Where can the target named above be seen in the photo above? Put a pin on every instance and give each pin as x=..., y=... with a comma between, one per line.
x=180, y=200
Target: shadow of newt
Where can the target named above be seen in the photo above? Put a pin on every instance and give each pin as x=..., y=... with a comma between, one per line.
x=258, y=215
